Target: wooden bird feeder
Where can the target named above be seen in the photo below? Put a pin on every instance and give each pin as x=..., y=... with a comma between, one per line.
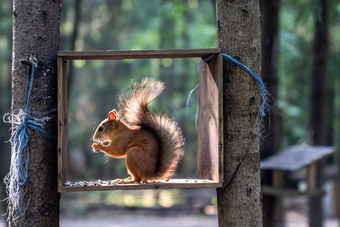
x=209, y=168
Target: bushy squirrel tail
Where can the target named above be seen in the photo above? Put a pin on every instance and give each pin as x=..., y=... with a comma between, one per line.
x=133, y=108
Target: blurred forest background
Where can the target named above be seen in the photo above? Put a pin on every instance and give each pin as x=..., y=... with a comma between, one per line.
x=94, y=86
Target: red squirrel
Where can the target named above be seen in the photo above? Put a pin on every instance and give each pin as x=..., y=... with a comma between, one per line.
x=151, y=143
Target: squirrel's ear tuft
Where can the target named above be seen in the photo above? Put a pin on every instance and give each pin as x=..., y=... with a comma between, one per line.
x=113, y=116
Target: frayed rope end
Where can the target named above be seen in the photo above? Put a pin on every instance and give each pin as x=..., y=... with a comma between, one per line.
x=265, y=107
x=16, y=181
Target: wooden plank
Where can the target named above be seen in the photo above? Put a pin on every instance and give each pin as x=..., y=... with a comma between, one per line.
x=136, y=54
x=216, y=69
x=296, y=157
x=219, y=73
x=311, y=176
x=278, y=178
x=281, y=192
x=62, y=122
x=107, y=185
x=208, y=125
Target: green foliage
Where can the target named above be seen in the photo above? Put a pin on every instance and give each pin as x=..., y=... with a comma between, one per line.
x=295, y=68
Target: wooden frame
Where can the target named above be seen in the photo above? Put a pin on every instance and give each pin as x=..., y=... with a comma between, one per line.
x=209, y=169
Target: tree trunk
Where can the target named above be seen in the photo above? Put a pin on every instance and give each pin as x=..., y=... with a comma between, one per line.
x=239, y=35
x=36, y=33
x=269, y=59
x=272, y=207
x=318, y=118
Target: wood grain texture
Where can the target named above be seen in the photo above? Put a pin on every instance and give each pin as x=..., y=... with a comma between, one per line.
x=136, y=54
x=106, y=185
x=209, y=120
x=62, y=122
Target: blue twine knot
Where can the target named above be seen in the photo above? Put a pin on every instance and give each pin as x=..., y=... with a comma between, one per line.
x=16, y=181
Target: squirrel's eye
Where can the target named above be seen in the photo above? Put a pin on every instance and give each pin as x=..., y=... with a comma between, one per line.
x=101, y=129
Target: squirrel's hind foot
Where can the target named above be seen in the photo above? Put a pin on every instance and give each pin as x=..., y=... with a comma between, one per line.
x=128, y=180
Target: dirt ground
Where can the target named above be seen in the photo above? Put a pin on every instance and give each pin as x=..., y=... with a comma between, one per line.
x=136, y=219
x=195, y=210
x=292, y=220
x=142, y=220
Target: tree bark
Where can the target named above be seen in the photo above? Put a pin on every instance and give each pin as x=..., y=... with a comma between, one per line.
x=318, y=119
x=239, y=35
x=36, y=33
x=319, y=101
x=270, y=9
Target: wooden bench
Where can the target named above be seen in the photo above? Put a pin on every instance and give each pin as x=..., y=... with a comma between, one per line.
x=292, y=159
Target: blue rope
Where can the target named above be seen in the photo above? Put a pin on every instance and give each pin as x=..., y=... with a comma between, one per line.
x=264, y=108
x=187, y=105
x=17, y=183
x=256, y=77
x=264, y=93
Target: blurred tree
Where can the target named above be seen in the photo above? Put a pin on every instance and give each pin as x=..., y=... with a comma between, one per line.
x=295, y=69
x=182, y=83
x=74, y=36
x=319, y=101
x=167, y=37
x=239, y=35
x=270, y=144
x=36, y=33
x=5, y=92
x=295, y=62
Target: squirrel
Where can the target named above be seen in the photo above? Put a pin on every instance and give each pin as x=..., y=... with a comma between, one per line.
x=151, y=143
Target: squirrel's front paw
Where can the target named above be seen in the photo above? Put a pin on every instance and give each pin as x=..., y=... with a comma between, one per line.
x=95, y=147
